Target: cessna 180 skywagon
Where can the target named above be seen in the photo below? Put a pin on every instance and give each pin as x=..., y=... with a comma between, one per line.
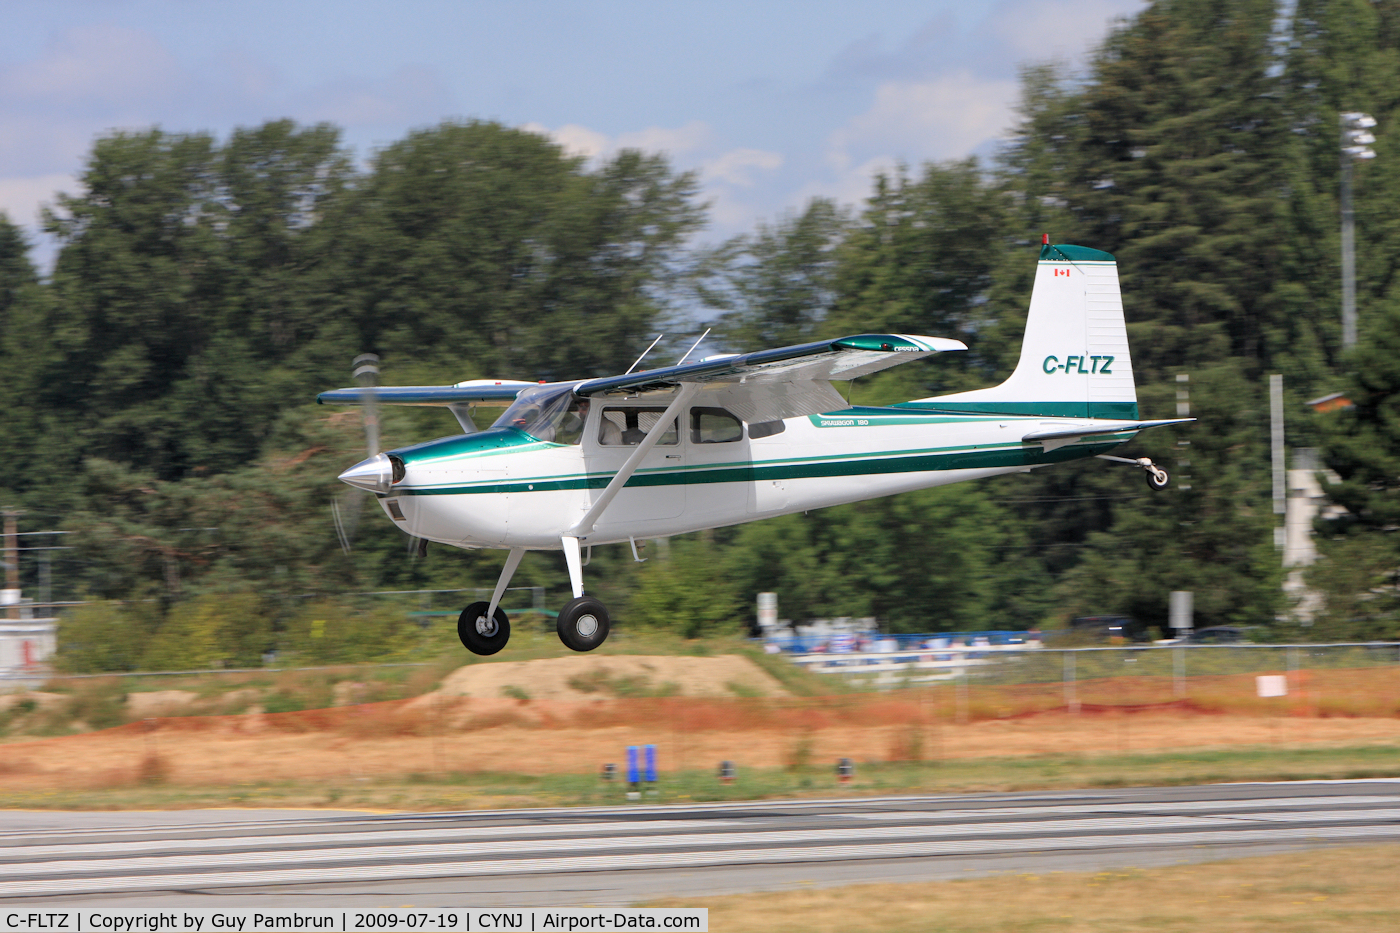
x=740, y=437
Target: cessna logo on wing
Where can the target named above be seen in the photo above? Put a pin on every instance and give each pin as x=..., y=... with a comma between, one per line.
x=1079, y=365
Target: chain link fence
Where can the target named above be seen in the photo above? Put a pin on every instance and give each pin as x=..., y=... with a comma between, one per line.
x=1356, y=679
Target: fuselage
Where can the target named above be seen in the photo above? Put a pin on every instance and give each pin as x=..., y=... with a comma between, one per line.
x=506, y=488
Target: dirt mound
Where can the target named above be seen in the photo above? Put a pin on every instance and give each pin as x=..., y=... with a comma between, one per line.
x=31, y=699
x=606, y=677
x=159, y=703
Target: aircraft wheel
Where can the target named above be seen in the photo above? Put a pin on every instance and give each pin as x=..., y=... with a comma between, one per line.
x=479, y=634
x=583, y=624
x=1157, y=478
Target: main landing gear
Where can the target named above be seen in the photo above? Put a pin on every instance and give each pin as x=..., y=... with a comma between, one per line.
x=481, y=631
x=1157, y=477
x=583, y=622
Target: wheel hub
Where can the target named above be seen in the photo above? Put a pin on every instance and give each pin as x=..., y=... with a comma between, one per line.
x=587, y=624
x=485, y=626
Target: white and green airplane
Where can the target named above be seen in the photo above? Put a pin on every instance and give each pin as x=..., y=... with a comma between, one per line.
x=740, y=437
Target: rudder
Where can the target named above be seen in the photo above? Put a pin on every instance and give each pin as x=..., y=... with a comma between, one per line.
x=1074, y=356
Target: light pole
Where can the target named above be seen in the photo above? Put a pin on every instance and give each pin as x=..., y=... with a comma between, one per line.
x=1356, y=142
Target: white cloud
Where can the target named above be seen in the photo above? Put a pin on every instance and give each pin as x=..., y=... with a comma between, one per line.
x=738, y=166
x=576, y=140
x=728, y=178
x=591, y=144
x=915, y=121
x=680, y=141
x=1036, y=30
x=408, y=95
x=21, y=198
x=850, y=186
x=101, y=66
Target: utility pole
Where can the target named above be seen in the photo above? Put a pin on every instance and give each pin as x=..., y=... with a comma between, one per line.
x=1355, y=146
x=12, y=559
x=1276, y=452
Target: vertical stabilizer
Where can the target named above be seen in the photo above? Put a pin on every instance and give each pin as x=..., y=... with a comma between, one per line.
x=1074, y=358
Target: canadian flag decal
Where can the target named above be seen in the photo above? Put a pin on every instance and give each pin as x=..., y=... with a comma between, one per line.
x=1064, y=272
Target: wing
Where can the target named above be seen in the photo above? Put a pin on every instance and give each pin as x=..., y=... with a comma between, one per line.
x=481, y=391
x=460, y=398
x=783, y=383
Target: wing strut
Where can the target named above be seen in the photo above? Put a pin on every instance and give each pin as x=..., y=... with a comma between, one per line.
x=508, y=571
x=584, y=526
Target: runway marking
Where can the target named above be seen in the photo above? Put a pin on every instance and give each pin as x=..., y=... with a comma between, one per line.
x=747, y=834
x=655, y=860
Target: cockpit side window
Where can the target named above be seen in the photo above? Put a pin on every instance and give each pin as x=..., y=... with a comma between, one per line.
x=628, y=427
x=714, y=426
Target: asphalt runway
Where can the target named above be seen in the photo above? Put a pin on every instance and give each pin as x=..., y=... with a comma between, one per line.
x=621, y=855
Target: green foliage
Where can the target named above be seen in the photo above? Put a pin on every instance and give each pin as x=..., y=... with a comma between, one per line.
x=920, y=262
x=212, y=630
x=1211, y=532
x=105, y=636
x=776, y=287
x=936, y=560
x=158, y=389
x=678, y=593
x=482, y=250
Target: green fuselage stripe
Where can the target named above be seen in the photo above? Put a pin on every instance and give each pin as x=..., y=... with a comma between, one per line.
x=1125, y=411
x=976, y=458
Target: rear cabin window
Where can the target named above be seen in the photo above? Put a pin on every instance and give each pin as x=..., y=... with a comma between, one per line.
x=628, y=427
x=714, y=426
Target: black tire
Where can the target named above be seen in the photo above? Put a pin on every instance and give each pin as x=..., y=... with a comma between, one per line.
x=583, y=624
x=1158, y=480
x=477, y=635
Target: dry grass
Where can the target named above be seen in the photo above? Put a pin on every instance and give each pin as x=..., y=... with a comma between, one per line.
x=1129, y=730
x=1347, y=889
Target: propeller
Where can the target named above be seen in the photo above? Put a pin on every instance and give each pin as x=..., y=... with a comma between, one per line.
x=347, y=504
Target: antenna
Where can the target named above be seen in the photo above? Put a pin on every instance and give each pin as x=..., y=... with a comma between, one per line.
x=644, y=353
x=693, y=346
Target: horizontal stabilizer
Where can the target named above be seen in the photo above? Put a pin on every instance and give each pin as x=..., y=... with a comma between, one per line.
x=1063, y=437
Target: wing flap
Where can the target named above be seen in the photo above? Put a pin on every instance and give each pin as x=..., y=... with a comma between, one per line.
x=774, y=401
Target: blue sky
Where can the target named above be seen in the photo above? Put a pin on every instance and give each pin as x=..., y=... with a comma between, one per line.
x=771, y=102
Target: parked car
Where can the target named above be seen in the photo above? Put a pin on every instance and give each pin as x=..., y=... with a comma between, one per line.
x=1109, y=628
x=1214, y=635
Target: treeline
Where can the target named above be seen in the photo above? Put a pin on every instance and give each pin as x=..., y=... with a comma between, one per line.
x=159, y=399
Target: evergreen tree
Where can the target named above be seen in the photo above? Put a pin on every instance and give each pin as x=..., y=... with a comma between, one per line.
x=776, y=287
x=478, y=250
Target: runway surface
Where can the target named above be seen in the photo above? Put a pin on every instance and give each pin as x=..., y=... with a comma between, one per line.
x=620, y=855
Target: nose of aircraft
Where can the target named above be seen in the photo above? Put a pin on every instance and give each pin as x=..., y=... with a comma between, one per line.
x=375, y=474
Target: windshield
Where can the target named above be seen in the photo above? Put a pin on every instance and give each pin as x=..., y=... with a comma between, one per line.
x=548, y=413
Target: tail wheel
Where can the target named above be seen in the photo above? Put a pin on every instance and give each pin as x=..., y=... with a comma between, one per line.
x=583, y=624
x=1157, y=478
x=479, y=634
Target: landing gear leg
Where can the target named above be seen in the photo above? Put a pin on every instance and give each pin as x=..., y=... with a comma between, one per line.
x=483, y=627
x=1157, y=477
x=583, y=622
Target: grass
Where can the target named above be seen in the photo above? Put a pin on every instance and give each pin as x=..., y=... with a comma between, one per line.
x=1340, y=889
x=99, y=702
x=800, y=777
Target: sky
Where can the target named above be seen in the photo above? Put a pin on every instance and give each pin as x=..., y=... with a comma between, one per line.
x=771, y=102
